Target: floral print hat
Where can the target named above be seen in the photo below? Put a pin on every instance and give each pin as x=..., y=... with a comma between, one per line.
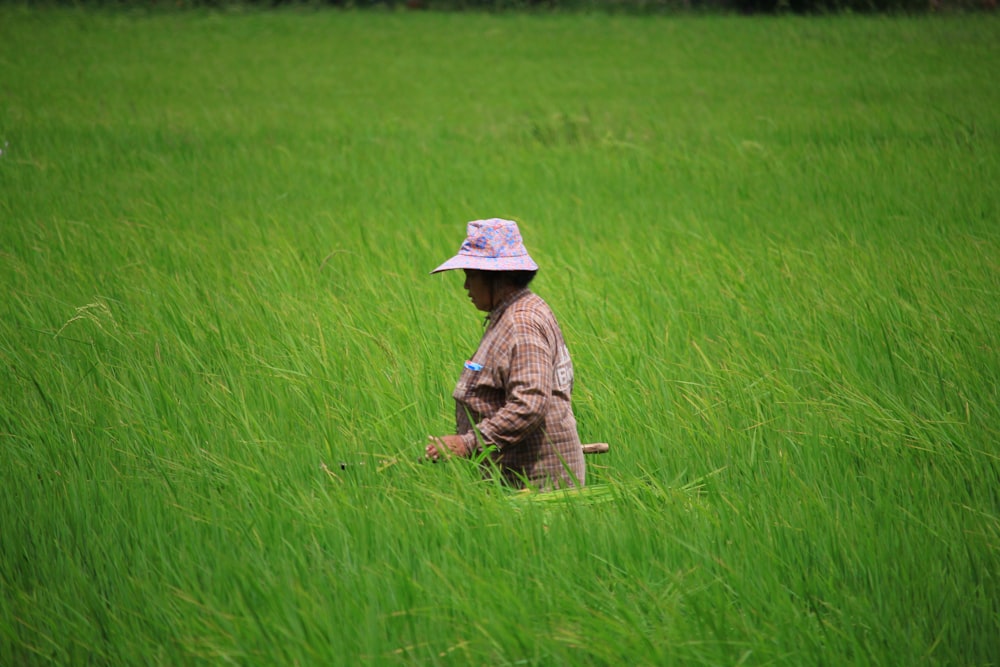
x=491, y=245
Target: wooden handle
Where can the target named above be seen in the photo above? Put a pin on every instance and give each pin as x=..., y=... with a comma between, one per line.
x=596, y=448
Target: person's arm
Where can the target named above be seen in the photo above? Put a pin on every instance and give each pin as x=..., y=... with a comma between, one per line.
x=453, y=445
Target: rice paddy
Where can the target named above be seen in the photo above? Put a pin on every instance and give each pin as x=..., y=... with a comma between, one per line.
x=772, y=245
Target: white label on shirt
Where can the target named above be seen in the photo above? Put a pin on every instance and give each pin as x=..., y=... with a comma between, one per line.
x=564, y=369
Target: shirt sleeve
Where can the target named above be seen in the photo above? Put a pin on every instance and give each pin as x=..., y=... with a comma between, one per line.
x=528, y=388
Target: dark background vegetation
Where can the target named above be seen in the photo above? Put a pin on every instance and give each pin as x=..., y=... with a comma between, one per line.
x=612, y=6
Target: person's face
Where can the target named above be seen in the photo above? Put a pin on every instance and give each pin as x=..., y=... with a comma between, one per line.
x=477, y=285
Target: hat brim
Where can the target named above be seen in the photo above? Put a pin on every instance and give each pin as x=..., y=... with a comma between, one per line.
x=460, y=261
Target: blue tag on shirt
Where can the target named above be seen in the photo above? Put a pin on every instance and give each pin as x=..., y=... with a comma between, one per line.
x=473, y=366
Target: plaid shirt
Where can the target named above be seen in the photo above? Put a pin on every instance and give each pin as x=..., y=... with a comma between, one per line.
x=516, y=392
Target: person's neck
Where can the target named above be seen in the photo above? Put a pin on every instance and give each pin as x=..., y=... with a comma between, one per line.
x=504, y=298
x=502, y=294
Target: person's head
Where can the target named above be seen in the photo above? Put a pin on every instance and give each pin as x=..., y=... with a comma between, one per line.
x=495, y=261
x=487, y=288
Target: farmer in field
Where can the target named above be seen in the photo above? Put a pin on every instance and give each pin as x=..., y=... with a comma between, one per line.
x=513, y=396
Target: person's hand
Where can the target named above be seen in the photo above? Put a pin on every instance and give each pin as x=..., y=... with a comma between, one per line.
x=445, y=446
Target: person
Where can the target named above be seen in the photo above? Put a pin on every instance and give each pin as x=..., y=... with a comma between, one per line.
x=513, y=397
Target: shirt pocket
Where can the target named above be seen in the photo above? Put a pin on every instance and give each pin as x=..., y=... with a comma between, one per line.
x=475, y=377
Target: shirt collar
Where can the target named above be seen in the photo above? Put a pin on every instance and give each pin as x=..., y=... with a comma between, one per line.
x=499, y=309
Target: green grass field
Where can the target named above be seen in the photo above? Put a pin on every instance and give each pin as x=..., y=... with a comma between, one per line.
x=773, y=246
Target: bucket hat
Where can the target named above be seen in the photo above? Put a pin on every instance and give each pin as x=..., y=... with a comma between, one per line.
x=491, y=245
